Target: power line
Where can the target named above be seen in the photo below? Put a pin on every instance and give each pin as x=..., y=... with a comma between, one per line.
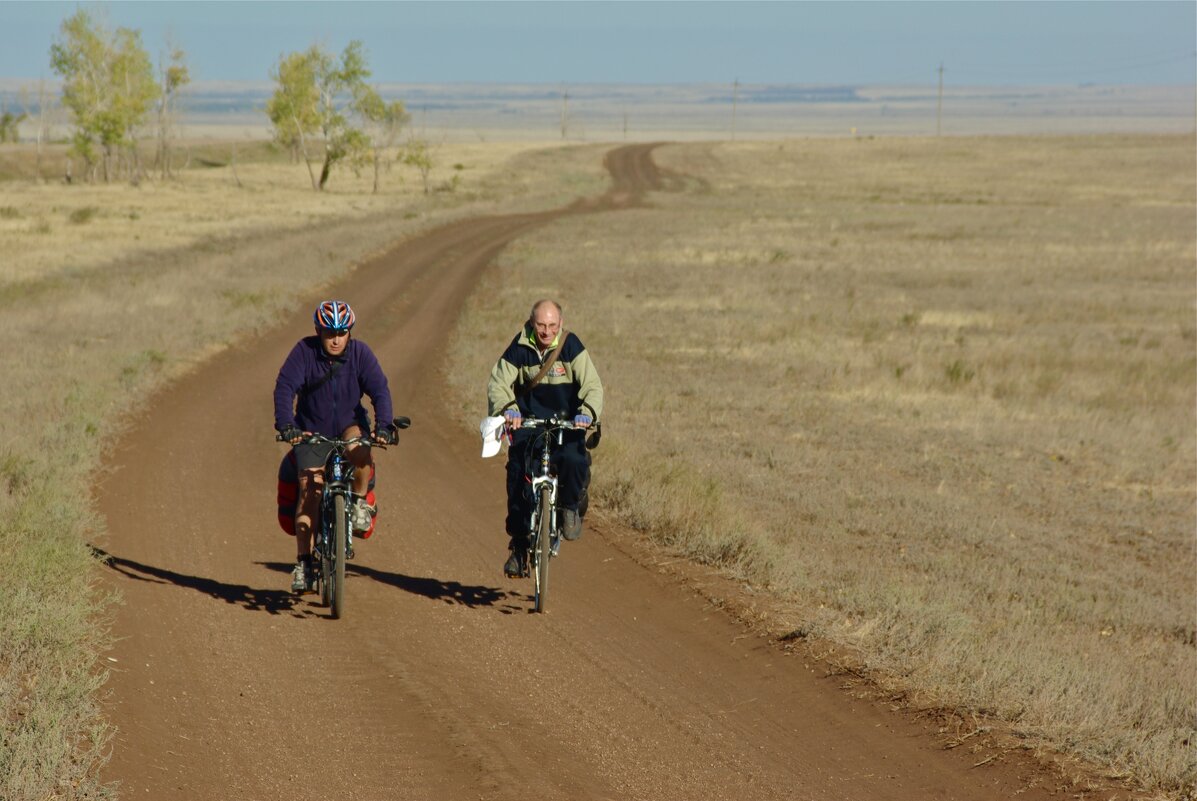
x=1025, y=71
x=939, y=101
x=1036, y=71
x=735, y=97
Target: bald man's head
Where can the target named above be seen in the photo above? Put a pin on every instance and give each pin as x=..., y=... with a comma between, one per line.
x=546, y=322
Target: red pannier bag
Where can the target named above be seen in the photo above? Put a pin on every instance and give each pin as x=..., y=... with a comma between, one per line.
x=288, y=494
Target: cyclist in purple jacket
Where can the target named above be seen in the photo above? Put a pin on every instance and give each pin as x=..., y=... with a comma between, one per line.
x=319, y=391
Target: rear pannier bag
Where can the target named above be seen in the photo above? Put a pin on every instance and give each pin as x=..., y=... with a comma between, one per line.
x=288, y=494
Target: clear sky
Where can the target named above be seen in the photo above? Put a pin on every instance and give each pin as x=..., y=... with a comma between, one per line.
x=979, y=43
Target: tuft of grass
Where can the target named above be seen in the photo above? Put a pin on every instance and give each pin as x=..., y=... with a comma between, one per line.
x=9, y=213
x=958, y=373
x=82, y=215
x=241, y=299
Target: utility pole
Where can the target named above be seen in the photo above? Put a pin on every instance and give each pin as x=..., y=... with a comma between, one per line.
x=625, y=126
x=735, y=97
x=564, y=112
x=43, y=129
x=939, y=101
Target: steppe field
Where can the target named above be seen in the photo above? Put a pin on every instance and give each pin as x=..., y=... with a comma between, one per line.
x=930, y=400
x=926, y=404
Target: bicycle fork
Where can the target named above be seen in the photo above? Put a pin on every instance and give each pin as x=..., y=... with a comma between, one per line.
x=537, y=483
x=339, y=485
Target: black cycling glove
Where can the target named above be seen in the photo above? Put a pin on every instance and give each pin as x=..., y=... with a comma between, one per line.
x=387, y=435
x=290, y=433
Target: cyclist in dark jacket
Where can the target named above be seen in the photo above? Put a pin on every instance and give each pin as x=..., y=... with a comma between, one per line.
x=571, y=386
x=319, y=391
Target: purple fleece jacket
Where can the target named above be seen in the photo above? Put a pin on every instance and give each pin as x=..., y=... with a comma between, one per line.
x=331, y=408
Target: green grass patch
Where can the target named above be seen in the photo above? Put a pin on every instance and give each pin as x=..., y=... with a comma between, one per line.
x=240, y=299
x=83, y=215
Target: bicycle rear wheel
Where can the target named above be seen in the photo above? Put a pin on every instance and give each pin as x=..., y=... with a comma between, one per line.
x=543, y=547
x=336, y=575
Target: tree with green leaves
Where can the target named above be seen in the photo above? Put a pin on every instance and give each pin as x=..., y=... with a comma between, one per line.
x=318, y=94
x=109, y=87
x=341, y=87
x=293, y=108
x=418, y=154
x=173, y=75
x=8, y=123
x=384, y=122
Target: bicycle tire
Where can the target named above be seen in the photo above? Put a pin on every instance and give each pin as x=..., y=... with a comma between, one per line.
x=322, y=566
x=325, y=567
x=543, y=547
x=337, y=574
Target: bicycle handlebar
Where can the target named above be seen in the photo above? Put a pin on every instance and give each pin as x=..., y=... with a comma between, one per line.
x=552, y=422
x=320, y=439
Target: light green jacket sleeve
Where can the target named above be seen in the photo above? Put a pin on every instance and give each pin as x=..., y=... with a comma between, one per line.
x=500, y=392
x=590, y=388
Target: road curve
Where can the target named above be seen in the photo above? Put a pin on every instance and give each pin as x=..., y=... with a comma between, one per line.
x=438, y=684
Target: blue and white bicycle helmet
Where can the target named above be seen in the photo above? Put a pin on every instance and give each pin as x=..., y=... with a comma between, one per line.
x=334, y=315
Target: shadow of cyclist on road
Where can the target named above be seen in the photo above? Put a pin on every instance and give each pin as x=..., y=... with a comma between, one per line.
x=451, y=592
x=272, y=601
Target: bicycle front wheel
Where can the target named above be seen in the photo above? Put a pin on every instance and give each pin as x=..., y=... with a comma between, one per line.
x=336, y=576
x=544, y=546
x=322, y=568
x=322, y=576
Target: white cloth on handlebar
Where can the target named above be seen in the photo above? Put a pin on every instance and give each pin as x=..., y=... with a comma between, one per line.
x=492, y=433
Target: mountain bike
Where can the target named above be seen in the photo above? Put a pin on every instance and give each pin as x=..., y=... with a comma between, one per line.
x=334, y=532
x=544, y=534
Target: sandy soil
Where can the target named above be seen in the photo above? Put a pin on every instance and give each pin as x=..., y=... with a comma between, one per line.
x=439, y=683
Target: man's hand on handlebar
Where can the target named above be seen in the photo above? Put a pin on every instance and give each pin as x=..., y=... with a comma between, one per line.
x=292, y=434
x=386, y=435
x=513, y=419
x=582, y=421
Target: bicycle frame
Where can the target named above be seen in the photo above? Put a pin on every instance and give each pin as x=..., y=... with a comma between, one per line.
x=544, y=535
x=334, y=534
x=545, y=478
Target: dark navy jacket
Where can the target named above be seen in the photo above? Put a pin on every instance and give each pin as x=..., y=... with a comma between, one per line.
x=332, y=407
x=572, y=385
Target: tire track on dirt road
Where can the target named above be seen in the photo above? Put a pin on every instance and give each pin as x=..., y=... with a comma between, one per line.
x=438, y=684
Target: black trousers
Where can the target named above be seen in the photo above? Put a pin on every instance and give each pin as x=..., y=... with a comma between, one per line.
x=570, y=461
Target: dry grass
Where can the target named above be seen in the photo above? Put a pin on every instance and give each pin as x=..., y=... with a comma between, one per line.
x=99, y=311
x=91, y=224
x=938, y=395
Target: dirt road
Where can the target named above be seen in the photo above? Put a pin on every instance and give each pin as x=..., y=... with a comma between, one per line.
x=439, y=684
